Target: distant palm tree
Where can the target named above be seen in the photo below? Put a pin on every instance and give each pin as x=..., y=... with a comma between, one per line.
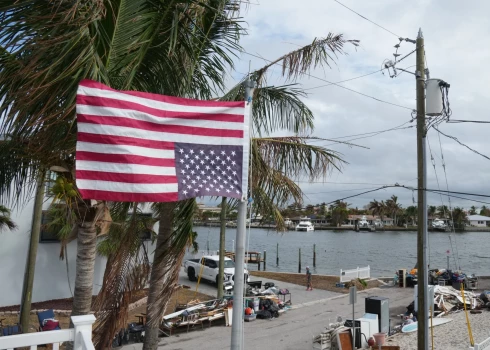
x=5, y=221
x=377, y=208
x=340, y=212
x=443, y=211
x=393, y=207
x=459, y=217
x=473, y=210
x=432, y=211
x=411, y=212
x=484, y=210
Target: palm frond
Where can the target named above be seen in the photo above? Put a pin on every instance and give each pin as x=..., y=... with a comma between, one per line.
x=294, y=157
x=5, y=220
x=299, y=62
x=276, y=108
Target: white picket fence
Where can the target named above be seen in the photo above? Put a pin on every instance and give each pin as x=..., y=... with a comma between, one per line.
x=81, y=335
x=360, y=272
x=483, y=345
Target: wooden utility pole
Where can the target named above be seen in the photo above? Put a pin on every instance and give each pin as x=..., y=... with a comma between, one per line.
x=222, y=235
x=422, y=267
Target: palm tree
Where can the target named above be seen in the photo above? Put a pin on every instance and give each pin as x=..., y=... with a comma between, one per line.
x=443, y=211
x=484, y=210
x=340, y=212
x=432, y=211
x=174, y=48
x=377, y=208
x=459, y=217
x=393, y=207
x=5, y=220
x=170, y=48
x=473, y=210
x=412, y=212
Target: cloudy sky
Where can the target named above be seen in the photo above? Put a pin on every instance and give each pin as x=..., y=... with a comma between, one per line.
x=456, y=37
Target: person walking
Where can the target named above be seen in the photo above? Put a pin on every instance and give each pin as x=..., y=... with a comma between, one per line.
x=308, y=279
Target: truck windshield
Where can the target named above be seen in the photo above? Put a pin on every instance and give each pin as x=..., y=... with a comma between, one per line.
x=229, y=263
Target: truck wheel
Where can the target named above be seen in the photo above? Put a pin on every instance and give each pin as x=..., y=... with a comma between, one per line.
x=191, y=274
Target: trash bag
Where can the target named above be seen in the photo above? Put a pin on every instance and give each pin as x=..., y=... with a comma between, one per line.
x=268, y=285
x=485, y=296
x=264, y=314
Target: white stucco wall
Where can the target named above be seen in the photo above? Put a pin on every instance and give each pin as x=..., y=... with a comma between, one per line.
x=50, y=279
x=476, y=223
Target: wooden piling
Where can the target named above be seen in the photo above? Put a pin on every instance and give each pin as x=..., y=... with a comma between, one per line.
x=299, y=261
x=277, y=254
x=314, y=255
x=207, y=246
x=258, y=262
x=265, y=259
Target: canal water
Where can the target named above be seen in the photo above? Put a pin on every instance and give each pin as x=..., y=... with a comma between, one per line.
x=384, y=252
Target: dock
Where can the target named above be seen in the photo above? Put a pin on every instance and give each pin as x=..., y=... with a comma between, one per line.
x=250, y=258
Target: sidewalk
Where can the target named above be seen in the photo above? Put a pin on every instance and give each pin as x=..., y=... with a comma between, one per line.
x=311, y=313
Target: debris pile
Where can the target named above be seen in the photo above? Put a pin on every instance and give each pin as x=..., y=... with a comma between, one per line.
x=327, y=340
x=448, y=299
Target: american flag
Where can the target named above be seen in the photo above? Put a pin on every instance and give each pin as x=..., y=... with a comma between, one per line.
x=142, y=147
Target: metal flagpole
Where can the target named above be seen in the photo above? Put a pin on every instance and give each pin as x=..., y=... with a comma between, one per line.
x=238, y=288
x=422, y=267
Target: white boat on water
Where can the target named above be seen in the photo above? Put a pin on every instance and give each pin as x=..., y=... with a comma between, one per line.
x=363, y=223
x=439, y=225
x=305, y=225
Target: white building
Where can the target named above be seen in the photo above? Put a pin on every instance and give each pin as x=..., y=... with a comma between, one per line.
x=53, y=277
x=479, y=220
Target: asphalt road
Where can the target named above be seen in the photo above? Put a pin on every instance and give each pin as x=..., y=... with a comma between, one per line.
x=293, y=330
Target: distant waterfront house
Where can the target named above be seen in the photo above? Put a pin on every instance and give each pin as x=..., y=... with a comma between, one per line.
x=315, y=219
x=371, y=219
x=479, y=220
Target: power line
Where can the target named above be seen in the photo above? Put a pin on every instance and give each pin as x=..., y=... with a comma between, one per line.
x=344, y=81
x=442, y=201
x=462, y=144
x=367, y=19
x=449, y=193
x=468, y=121
x=332, y=83
x=348, y=183
x=353, y=189
x=399, y=127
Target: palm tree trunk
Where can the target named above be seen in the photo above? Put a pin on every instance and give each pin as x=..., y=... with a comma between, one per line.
x=85, y=264
x=84, y=282
x=31, y=256
x=157, y=277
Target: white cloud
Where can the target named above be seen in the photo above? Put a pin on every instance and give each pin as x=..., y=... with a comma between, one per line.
x=455, y=40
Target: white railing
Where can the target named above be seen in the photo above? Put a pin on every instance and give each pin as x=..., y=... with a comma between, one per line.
x=360, y=272
x=483, y=345
x=81, y=335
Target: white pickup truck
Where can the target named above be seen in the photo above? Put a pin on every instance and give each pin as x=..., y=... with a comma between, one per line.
x=207, y=266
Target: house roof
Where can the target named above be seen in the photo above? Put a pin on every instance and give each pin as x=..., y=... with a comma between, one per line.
x=478, y=218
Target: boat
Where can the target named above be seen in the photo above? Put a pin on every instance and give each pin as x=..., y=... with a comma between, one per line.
x=288, y=222
x=305, y=225
x=439, y=225
x=412, y=327
x=364, y=225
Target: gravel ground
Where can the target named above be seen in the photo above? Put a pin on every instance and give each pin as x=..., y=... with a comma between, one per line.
x=452, y=335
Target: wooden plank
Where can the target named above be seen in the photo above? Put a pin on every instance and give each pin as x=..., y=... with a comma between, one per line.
x=345, y=340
